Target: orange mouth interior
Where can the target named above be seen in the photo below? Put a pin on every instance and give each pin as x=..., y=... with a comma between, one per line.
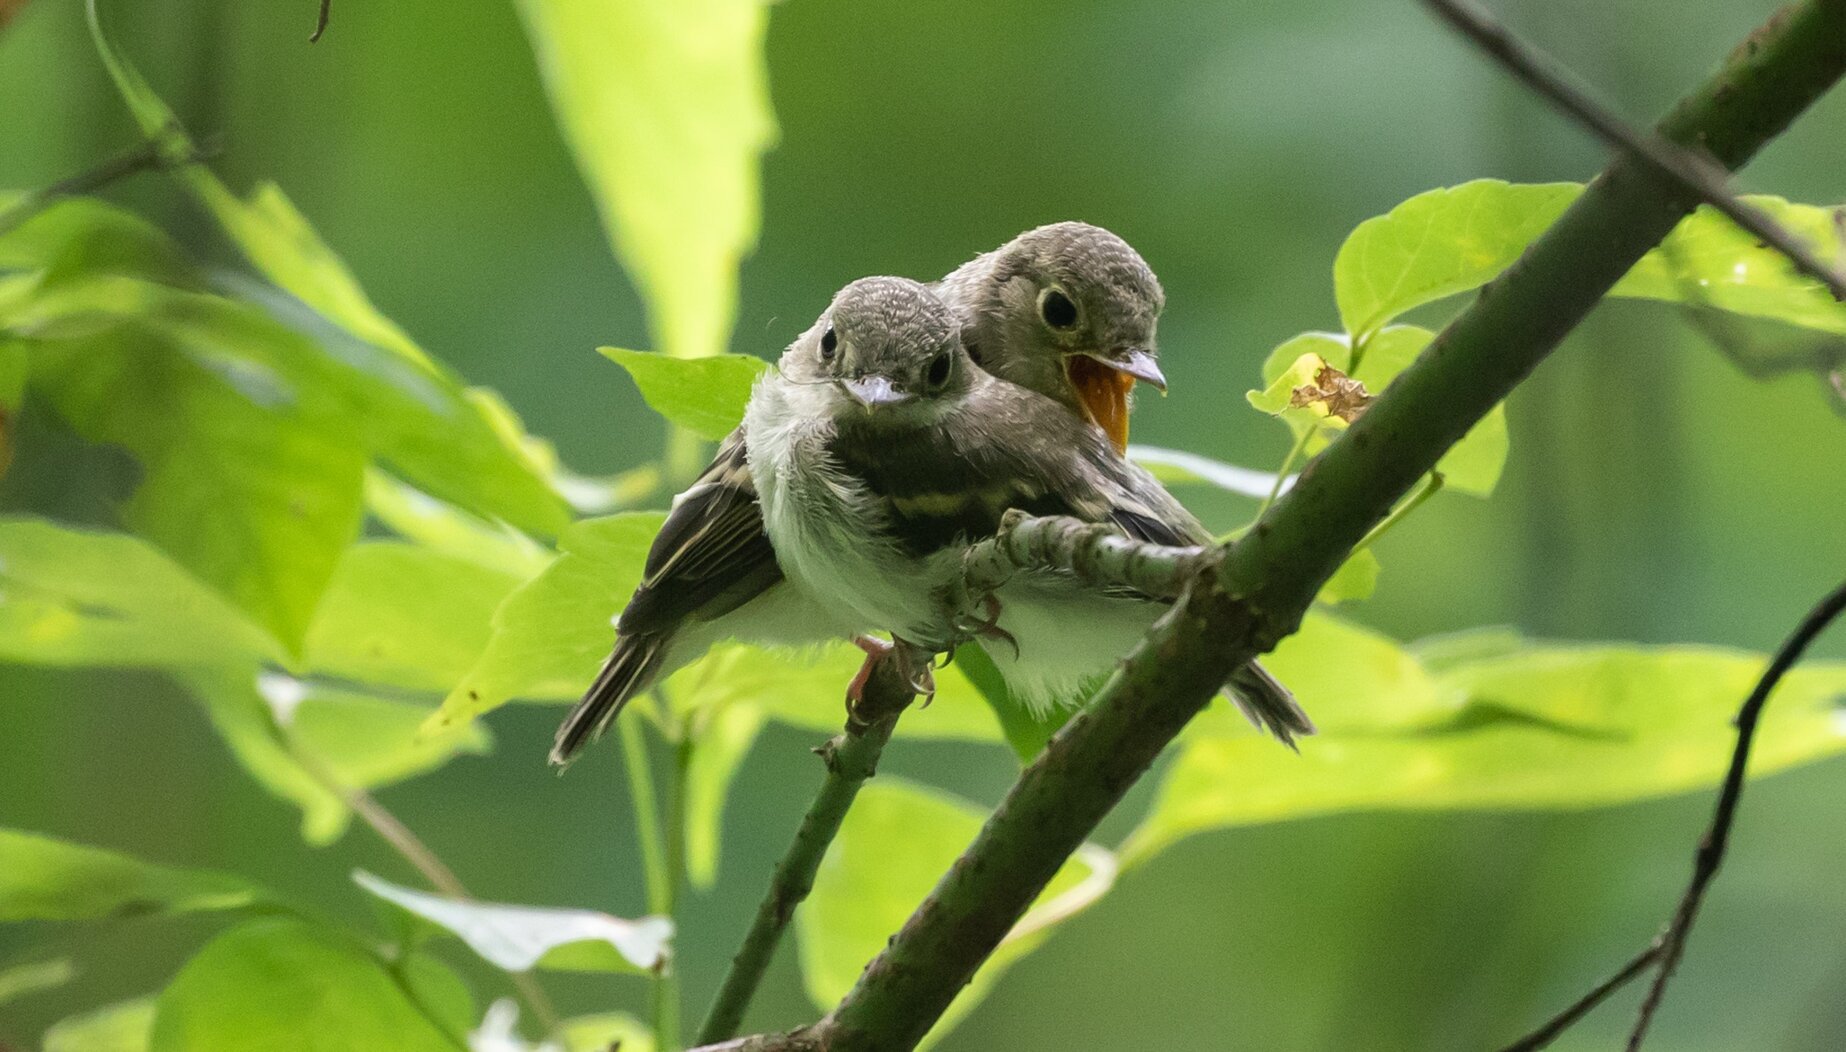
x=1103, y=393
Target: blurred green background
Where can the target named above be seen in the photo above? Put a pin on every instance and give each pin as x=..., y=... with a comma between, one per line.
x=1654, y=492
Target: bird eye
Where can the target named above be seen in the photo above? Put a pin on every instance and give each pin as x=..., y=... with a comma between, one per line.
x=939, y=371
x=1057, y=309
x=828, y=343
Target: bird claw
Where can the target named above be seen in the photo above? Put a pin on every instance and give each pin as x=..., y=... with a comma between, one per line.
x=920, y=681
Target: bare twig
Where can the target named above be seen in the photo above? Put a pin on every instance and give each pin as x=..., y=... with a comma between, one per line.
x=150, y=155
x=851, y=757
x=1692, y=170
x=1581, y=1007
x=320, y=23
x=425, y=861
x=1710, y=854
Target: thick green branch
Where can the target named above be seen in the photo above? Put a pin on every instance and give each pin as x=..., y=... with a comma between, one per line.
x=851, y=757
x=1267, y=580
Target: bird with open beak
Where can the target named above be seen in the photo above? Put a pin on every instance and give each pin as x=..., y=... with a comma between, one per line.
x=882, y=451
x=1067, y=310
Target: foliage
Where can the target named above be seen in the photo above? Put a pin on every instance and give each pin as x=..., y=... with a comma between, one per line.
x=348, y=556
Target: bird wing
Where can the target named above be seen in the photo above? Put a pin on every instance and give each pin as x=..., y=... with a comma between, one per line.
x=712, y=554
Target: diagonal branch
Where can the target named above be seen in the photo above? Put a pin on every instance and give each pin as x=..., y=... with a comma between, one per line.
x=1550, y=80
x=1265, y=581
x=851, y=757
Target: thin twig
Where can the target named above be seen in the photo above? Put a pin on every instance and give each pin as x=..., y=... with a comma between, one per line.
x=320, y=23
x=1581, y=1007
x=1691, y=170
x=147, y=156
x=851, y=757
x=425, y=861
x=1710, y=854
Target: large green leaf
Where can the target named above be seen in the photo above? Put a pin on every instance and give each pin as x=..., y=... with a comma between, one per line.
x=520, y=938
x=124, y=1027
x=896, y=841
x=308, y=743
x=552, y=633
x=442, y=527
x=666, y=107
x=401, y=615
x=1451, y=240
x=721, y=736
x=1437, y=244
x=283, y=985
x=43, y=878
x=706, y=396
x=83, y=597
x=1539, y=727
x=248, y=482
x=459, y=455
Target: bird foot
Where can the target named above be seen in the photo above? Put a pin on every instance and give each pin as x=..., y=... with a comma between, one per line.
x=920, y=680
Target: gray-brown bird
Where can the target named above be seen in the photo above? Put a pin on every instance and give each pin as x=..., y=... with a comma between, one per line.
x=881, y=451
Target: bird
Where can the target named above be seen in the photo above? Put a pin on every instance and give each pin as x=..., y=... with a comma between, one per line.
x=1068, y=310
x=882, y=451
x=1046, y=310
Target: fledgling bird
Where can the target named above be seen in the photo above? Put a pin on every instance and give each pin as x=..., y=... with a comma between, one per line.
x=1046, y=310
x=1068, y=310
x=882, y=451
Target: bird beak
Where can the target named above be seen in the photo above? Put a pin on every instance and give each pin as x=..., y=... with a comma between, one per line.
x=873, y=391
x=1102, y=380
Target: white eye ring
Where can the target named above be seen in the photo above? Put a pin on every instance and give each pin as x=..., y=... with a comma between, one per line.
x=1057, y=310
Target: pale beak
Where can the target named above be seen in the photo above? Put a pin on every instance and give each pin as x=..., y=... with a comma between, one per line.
x=873, y=391
x=1135, y=362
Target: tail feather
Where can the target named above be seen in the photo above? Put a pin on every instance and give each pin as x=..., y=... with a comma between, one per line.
x=630, y=670
x=1268, y=703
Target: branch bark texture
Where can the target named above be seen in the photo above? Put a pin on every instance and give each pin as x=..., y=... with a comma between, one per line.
x=1265, y=582
x=851, y=757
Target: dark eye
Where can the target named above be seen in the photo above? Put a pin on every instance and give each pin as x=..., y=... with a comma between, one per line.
x=1057, y=310
x=939, y=370
x=828, y=343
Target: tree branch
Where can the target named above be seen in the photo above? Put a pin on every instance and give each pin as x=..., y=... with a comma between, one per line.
x=1557, y=1024
x=320, y=21
x=1266, y=581
x=1546, y=77
x=147, y=156
x=851, y=757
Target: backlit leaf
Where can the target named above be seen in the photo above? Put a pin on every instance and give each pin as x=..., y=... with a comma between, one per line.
x=705, y=396
x=44, y=878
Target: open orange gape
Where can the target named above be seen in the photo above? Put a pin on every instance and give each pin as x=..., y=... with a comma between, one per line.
x=1103, y=391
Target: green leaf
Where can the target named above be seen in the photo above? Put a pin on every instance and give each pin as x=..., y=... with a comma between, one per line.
x=440, y=526
x=13, y=370
x=552, y=633
x=449, y=448
x=43, y=878
x=248, y=485
x=1025, y=731
x=82, y=597
x=1473, y=466
x=896, y=841
x=721, y=738
x=520, y=938
x=283, y=985
x=404, y=616
x=706, y=396
x=124, y=1027
x=348, y=739
x=1278, y=398
x=90, y=236
x=1437, y=244
x=1710, y=260
x=1541, y=727
x=24, y=980
x=666, y=108
x=808, y=690
x=602, y=1033
x=1357, y=578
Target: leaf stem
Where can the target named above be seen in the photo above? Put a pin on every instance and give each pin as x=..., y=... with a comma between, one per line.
x=1432, y=484
x=1288, y=465
x=380, y=820
x=656, y=871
